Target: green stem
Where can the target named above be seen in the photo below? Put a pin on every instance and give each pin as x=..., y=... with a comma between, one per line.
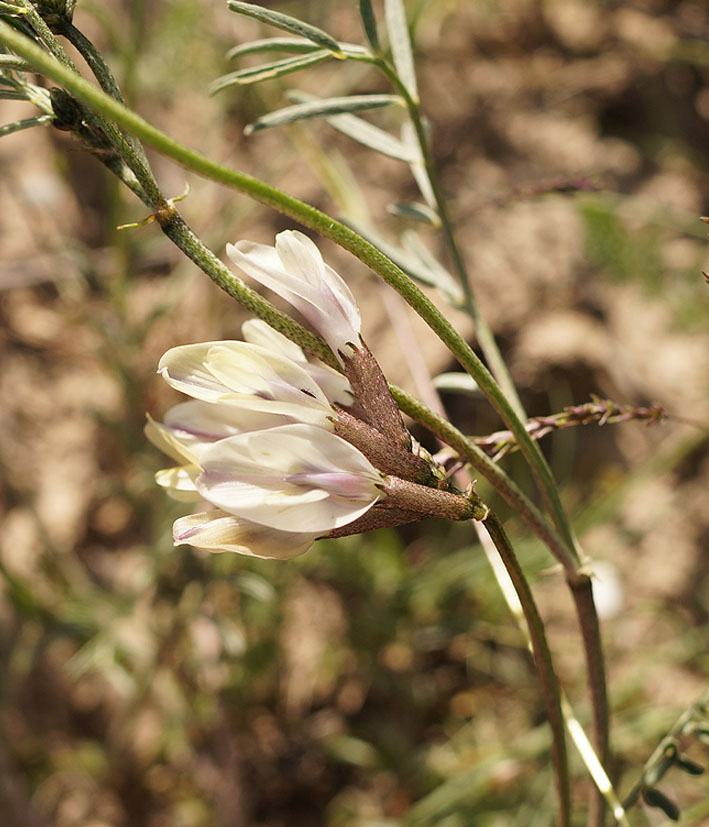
x=543, y=662
x=103, y=75
x=135, y=159
x=578, y=582
x=135, y=172
x=582, y=593
x=326, y=226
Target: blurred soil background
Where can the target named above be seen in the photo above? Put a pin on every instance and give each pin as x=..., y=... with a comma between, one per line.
x=377, y=680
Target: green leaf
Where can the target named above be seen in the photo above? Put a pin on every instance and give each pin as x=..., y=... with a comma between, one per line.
x=416, y=212
x=414, y=265
x=12, y=94
x=400, y=44
x=320, y=108
x=16, y=63
x=689, y=766
x=654, y=773
x=297, y=45
x=369, y=21
x=288, y=24
x=439, y=277
x=26, y=123
x=294, y=45
x=364, y=132
x=457, y=381
x=267, y=71
x=654, y=798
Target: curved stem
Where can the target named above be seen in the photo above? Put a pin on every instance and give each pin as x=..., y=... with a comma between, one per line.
x=328, y=227
x=543, y=662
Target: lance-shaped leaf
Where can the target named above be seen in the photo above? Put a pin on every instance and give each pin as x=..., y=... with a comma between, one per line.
x=26, y=123
x=297, y=478
x=400, y=44
x=439, y=277
x=456, y=381
x=287, y=24
x=294, y=45
x=418, y=170
x=423, y=270
x=321, y=108
x=415, y=212
x=369, y=22
x=365, y=133
x=267, y=71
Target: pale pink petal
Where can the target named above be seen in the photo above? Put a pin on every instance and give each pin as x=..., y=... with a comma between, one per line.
x=295, y=270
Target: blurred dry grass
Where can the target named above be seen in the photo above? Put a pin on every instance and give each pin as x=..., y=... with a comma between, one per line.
x=377, y=680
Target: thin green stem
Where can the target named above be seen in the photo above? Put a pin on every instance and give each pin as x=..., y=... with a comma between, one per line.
x=103, y=75
x=175, y=228
x=582, y=593
x=328, y=227
x=135, y=159
x=135, y=172
x=543, y=661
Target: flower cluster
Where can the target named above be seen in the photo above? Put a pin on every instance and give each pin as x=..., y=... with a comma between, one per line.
x=285, y=451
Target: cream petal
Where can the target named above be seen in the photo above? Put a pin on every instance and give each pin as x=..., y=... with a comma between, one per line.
x=258, y=332
x=297, y=477
x=168, y=442
x=184, y=368
x=217, y=531
x=266, y=381
x=179, y=482
x=334, y=385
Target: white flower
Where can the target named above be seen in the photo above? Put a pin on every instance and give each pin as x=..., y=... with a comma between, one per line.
x=296, y=271
x=274, y=488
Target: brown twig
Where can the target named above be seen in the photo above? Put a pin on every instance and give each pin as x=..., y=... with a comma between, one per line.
x=602, y=411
